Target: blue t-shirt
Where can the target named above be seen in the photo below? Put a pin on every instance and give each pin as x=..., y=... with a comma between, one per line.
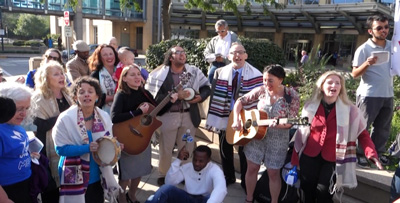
x=78, y=150
x=15, y=159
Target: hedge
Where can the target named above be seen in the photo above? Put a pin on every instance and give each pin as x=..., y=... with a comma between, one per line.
x=260, y=52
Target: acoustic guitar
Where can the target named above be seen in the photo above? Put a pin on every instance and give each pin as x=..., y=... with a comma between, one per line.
x=254, y=126
x=136, y=132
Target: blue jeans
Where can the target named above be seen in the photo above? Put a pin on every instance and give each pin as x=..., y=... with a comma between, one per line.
x=172, y=194
x=395, y=187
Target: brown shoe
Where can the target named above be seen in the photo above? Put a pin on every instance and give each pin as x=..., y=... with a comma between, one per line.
x=161, y=181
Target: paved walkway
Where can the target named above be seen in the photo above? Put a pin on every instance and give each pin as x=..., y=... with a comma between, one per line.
x=148, y=184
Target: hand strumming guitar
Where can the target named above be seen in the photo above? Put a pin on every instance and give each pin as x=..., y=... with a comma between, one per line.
x=144, y=107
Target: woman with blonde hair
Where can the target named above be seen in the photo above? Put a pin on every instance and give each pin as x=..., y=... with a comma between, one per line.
x=50, y=55
x=126, y=105
x=325, y=150
x=51, y=97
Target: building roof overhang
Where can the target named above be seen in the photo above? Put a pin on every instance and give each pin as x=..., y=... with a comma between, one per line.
x=311, y=16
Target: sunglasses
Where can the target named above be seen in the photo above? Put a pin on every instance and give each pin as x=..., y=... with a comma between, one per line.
x=54, y=58
x=220, y=31
x=379, y=28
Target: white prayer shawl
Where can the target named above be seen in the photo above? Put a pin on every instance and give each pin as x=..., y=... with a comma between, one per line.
x=220, y=105
x=67, y=132
x=157, y=77
x=350, y=123
x=108, y=86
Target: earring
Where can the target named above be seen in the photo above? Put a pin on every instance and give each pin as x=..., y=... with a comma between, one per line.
x=77, y=102
x=97, y=100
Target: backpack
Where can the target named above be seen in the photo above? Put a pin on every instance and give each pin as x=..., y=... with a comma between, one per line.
x=289, y=194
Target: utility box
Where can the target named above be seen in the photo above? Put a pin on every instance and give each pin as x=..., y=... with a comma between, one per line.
x=34, y=62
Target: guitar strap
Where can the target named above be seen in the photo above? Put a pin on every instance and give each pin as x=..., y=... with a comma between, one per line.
x=148, y=97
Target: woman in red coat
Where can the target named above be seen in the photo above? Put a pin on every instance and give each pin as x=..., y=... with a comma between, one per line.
x=325, y=151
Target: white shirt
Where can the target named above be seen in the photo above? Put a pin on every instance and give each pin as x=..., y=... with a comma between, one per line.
x=208, y=182
x=223, y=45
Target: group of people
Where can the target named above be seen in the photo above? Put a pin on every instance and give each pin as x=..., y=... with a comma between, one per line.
x=107, y=88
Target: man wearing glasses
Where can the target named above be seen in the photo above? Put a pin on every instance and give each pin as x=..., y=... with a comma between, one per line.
x=231, y=82
x=216, y=52
x=375, y=92
x=182, y=115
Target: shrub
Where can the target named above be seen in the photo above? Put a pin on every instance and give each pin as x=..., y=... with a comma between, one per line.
x=19, y=43
x=33, y=43
x=260, y=52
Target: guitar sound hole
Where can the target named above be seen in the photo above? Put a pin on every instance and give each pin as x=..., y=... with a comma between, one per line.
x=247, y=124
x=146, y=120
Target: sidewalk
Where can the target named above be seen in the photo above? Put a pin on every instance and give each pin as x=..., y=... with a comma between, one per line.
x=148, y=184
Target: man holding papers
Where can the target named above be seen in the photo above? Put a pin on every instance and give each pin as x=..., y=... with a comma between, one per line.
x=375, y=92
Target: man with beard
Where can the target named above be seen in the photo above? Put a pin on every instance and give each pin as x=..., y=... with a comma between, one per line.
x=375, y=92
x=231, y=82
x=184, y=113
x=77, y=66
x=204, y=180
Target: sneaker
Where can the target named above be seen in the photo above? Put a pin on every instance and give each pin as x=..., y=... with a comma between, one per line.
x=362, y=162
x=384, y=160
x=161, y=181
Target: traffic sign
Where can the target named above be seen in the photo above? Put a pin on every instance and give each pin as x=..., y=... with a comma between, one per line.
x=66, y=18
x=68, y=31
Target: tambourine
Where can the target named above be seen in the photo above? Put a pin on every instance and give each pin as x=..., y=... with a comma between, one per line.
x=192, y=93
x=108, y=153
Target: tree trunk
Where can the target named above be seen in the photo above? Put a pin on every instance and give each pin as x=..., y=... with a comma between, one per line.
x=165, y=19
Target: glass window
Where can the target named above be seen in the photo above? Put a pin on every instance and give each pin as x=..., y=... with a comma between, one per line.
x=260, y=35
x=91, y=6
x=183, y=33
x=139, y=38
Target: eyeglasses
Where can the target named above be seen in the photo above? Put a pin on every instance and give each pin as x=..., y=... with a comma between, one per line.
x=54, y=58
x=237, y=52
x=379, y=28
x=179, y=52
x=220, y=31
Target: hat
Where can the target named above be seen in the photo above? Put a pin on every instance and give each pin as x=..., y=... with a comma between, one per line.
x=7, y=107
x=80, y=46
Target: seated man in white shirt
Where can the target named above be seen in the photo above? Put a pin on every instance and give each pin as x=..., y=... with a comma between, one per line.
x=204, y=180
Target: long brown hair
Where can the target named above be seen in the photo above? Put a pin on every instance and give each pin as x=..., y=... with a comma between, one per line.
x=95, y=62
x=123, y=86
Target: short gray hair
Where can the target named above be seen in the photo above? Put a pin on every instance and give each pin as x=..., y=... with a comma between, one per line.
x=221, y=22
x=18, y=92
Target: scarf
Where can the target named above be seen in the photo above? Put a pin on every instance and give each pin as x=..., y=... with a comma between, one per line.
x=220, y=106
x=350, y=124
x=107, y=85
x=45, y=109
x=75, y=173
x=157, y=77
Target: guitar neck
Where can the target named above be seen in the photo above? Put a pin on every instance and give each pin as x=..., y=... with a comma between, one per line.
x=164, y=102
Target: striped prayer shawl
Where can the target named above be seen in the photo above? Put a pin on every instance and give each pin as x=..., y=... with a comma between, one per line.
x=350, y=123
x=74, y=189
x=220, y=106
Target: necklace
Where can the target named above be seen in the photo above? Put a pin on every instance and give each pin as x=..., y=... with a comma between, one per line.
x=89, y=118
x=60, y=100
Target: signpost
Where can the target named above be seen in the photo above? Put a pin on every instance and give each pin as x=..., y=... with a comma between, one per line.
x=67, y=30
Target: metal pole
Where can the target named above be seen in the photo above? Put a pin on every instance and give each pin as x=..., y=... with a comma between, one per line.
x=159, y=22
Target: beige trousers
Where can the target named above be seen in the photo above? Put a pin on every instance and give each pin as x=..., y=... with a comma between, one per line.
x=174, y=126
